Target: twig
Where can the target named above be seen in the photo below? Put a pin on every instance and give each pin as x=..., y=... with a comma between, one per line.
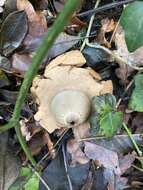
x=126, y=90
x=41, y=179
x=136, y=167
x=114, y=32
x=103, y=8
x=132, y=139
x=101, y=137
x=89, y=27
x=92, y=138
x=66, y=168
x=46, y=155
x=41, y=52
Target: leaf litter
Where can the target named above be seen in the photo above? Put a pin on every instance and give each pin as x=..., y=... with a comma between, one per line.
x=85, y=154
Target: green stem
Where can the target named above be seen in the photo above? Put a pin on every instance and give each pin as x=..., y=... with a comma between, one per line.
x=132, y=139
x=57, y=28
x=24, y=145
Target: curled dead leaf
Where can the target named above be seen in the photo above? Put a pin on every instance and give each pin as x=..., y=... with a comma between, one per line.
x=107, y=26
x=37, y=21
x=135, y=58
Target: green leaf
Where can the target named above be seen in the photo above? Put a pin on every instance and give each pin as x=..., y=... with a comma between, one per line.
x=104, y=119
x=132, y=23
x=110, y=123
x=103, y=103
x=27, y=180
x=136, y=101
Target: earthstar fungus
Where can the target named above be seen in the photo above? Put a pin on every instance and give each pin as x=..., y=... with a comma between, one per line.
x=64, y=93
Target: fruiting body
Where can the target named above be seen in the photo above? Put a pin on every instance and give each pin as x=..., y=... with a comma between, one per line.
x=70, y=108
x=65, y=92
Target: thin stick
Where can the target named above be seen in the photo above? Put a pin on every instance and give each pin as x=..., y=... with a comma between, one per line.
x=114, y=32
x=132, y=139
x=66, y=168
x=89, y=26
x=103, y=8
x=126, y=90
x=136, y=167
x=45, y=156
x=41, y=52
x=41, y=179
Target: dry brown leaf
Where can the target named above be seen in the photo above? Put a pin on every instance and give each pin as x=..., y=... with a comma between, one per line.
x=21, y=62
x=77, y=156
x=126, y=162
x=77, y=23
x=38, y=141
x=105, y=157
x=135, y=58
x=29, y=129
x=37, y=20
x=62, y=75
x=81, y=131
x=107, y=26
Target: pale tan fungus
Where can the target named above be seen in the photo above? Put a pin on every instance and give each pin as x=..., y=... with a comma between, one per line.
x=67, y=88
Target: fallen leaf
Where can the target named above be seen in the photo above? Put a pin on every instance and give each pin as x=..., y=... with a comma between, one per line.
x=103, y=179
x=60, y=4
x=3, y=79
x=105, y=157
x=95, y=57
x=107, y=26
x=63, y=43
x=21, y=63
x=5, y=64
x=56, y=176
x=135, y=58
x=137, y=123
x=36, y=20
x=13, y=31
x=120, y=143
x=77, y=23
x=41, y=5
x=9, y=96
x=37, y=143
x=77, y=156
x=126, y=162
x=82, y=131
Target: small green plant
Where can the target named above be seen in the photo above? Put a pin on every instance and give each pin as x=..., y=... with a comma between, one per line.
x=107, y=118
